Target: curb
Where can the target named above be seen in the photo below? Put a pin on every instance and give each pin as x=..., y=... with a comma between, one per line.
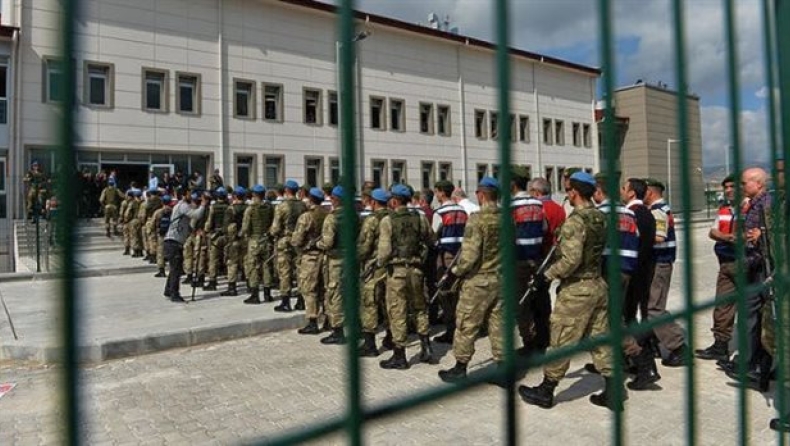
x=29, y=276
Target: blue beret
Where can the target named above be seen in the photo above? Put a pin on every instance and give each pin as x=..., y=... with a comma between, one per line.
x=166, y=198
x=399, y=190
x=153, y=190
x=34, y=163
x=240, y=190
x=130, y=193
x=316, y=192
x=337, y=191
x=111, y=182
x=583, y=177
x=221, y=192
x=137, y=193
x=291, y=184
x=258, y=189
x=380, y=195
x=195, y=195
x=489, y=182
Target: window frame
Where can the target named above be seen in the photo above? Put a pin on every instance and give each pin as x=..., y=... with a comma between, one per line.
x=559, y=132
x=429, y=118
x=334, y=164
x=50, y=65
x=252, y=166
x=431, y=174
x=382, y=112
x=481, y=171
x=401, y=128
x=448, y=122
x=481, y=130
x=332, y=101
x=319, y=106
x=280, y=169
x=164, y=93
x=403, y=171
x=445, y=166
x=523, y=128
x=196, y=93
x=251, y=100
x=576, y=134
x=280, y=102
x=493, y=124
x=319, y=169
x=384, y=172
x=587, y=135
x=109, y=84
x=548, y=132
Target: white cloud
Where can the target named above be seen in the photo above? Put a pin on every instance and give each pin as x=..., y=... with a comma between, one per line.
x=717, y=136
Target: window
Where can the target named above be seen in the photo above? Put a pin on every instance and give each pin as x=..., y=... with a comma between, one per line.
x=577, y=134
x=97, y=84
x=443, y=120
x=312, y=106
x=446, y=171
x=513, y=134
x=245, y=165
x=3, y=210
x=334, y=170
x=480, y=124
x=523, y=128
x=588, y=170
x=559, y=132
x=53, y=76
x=398, y=172
x=482, y=170
x=333, y=113
x=313, y=172
x=561, y=179
x=547, y=133
x=272, y=102
x=528, y=169
x=427, y=174
x=397, y=118
x=154, y=90
x=188, y=93
x=426, y=118
x=494, y=124
x=550, y=177
x=586, y=135
x=379, y=171
x=244, y=99
x=272, y=171
x=495, y=171
x=377, y=121
x=3, y=99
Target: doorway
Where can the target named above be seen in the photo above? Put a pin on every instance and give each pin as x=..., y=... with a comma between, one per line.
x=126, y=173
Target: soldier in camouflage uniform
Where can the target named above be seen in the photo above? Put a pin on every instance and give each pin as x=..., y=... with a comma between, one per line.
x=152, y=204
x=36, y=183
x=109, y=199
x=285, y=216
x=255, y=226
x=156, y=221
x=195, y=249
x=580, y=308
x=125, y=219
x=305, y=239
x=480, y=301
x=404, y=238
x=125, y=197
x=236, y=243
x=215, y=227
x=373, y=276
x=132, y=226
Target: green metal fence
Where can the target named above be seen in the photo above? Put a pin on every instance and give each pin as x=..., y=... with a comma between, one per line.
x=776, y=18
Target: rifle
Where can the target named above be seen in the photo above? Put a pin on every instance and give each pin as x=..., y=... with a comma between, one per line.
x=533, y=281
x=768, y=263
x=367, y=272
x=445, y=278
x=196, y=263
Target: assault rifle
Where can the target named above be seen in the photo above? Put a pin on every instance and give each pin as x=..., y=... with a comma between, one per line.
x=533, y=281
x=196, y=262
x=369, y=270
x=445, y=277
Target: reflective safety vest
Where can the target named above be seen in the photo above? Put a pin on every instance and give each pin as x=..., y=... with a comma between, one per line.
x=529, y=220
x=666, y=251
x=726, y=219
x=451, y=235
x=629, y=238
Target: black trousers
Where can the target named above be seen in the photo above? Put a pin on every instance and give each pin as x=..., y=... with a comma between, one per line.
x=174, y=255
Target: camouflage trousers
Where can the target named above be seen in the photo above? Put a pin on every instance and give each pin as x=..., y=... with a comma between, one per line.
x=333, y=300
x=373, y=295
x=311, y=282
x=580, y=311
x=286, y=265
x=153, y=238
x=234, y=259
x=405, y=293
x=195, y=255
x=216, y=251
x=160, y=251
x=135, y=234
x=480, y=303
x=111, y=217
x=448, y=295
x=127, y=235
x=770, y=328
x=254, y=263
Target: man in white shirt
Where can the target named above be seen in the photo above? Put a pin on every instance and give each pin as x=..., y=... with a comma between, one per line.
x=460, y=198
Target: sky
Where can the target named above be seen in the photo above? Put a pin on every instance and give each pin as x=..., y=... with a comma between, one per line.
x=569, y=29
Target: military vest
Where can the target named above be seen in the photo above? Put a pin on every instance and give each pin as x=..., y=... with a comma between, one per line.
x=238, y=214
x=132, y=209
x=666, y=251
x=406, y=242
x=528, y=218
x=318, y=215
x=595, y=224
x=110, y=196
x=451, y=235
x=294, y=208
x=154, y=205
x=218, y=217
x=261, y=219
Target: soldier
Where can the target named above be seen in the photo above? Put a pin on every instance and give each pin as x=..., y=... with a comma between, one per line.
x=404, y=239
x=255, y=227
x=373, y=276
x=109, y=199
x=195, y=248
x=215, y=227
x=448, y=224
x=132, y=220
x=236, y=245
x=215, y=181
x=35, y=181
x=367, y=203
x=153, y=203
x=327, y=189
x=305, y=240
x=161, y=222
x=580, y=309
x=285, y=216
x=478, y=268
x=137, y=225
x=126, y=217
x=189, y=246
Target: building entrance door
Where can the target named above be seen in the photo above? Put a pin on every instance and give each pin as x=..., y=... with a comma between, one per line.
x=126, y=173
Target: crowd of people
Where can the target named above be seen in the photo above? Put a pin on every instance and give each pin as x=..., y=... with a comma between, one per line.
x=436, y=252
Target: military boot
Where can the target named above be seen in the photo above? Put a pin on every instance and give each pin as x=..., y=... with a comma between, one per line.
x=397, y=361
x=285, y=305
x=311, y=327
x=447, y=336
x=187, y=280
x=646, y=371
x=160, y=273
x=326, y=326
x=541, y=395
x=426, y=351
x=231, y=291
x=254, y=299
x=676, y=358
x=211, y=285
x=368, y=347
x=299, y=303
x=267, y=294
x=606, y=398
x=152, y=259
x=126, y=250
x=337, y=337
x=137, y=253
x=457, y=373
x=717, y=350
x=386, y=343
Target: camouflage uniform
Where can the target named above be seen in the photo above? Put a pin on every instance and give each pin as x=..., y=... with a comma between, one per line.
x=153, y=204
x=132, y=225
x=255, y=226
x=215, y=227
x=136, y=228
x=160, y=238
x=309, y=228
x=110, y=198
x=35, y=180
x=195, y=252
x=285, y=216
x=236, y=244
x=329, y=243
x=373, y=287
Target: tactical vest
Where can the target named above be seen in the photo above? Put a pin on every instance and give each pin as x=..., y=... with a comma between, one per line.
x=453, y=224
x=595, y=224
x=154, y=205
x=238, y=214
x=218, y=217
x=629, y=239
x=528, y=218
x=261, y=219
x=666, y=251
x=726, y=224
x=406, y=235
x=132, y=209
x=110, y=196
x=295, y=208
x=318, y=215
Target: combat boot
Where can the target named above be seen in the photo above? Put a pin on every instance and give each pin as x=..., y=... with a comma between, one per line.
x=386, y=343
x=368, y=347
x=447, y=336
x=541, y=395
x=187, y=280
x=299, y=304
x=285, y=305
x=231, y=291
x=606, y=398
x=646, y=371
x=676, y=358
x=152, y=259
x=717, y=350
x=337, y=337
x=267, y=294
x=457, y=373
x=211, y=285
x=137, y=253
x=326, y=326
x=160, y=273
x=126, y=250
x=397, y=361
x=426, y=351
x=311, y=327
x=254, y=299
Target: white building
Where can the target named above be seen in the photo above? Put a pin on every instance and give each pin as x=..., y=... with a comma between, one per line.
x=249, y=87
